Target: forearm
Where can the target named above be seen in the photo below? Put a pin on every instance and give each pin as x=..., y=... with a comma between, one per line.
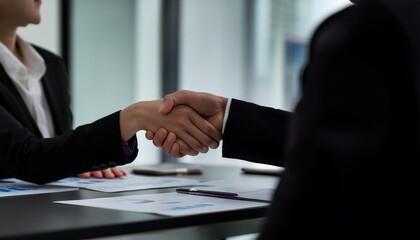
x=88, y=147
x=255, y=133
x=136, y=117
x=188, y=125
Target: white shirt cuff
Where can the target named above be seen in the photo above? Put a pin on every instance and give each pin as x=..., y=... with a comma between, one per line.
x=227, y=109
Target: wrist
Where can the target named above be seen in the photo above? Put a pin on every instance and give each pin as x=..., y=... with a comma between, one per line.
x=126, y=124
x=139, y=116
x=224, y=102
x=226, y=113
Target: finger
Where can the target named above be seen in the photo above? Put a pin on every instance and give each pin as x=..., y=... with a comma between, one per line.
x=193, y=136
x=97, y=174
x=168, y=104
x=160, y=137
x=84, y=175
x=172, y=100
x=169, y=145
x=189, y=136
x=175, y=151
x=188, y=132
x=169, y=142
x=108, y=173
x=149, y=135
x=184, y=149
x=209, y=135
x=118, y=172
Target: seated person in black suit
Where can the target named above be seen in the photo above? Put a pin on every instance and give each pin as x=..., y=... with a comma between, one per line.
x=37, y=143
x=351, y=146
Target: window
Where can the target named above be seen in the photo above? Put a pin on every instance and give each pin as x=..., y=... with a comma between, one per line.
x=247, y=49
x=253, y=50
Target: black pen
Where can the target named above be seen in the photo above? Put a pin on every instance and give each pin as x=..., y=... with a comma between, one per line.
x=218, y=194
x=194, y=191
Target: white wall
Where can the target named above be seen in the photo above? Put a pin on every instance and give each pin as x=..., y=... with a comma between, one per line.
x=115, y=56
x=115, y=60
x=102, y=58
x=212, y=46
x=213, y=55
x=147, y=67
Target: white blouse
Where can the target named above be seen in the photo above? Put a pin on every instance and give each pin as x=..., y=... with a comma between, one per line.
x=27, y=78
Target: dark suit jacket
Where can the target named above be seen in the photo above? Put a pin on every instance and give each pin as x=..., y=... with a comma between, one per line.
x=351, y=147
x=26, y=155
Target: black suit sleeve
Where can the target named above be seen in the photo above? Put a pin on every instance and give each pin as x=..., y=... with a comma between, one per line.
x=255, y=133
x=26, y=155
x=56, y=89
x=40, y=160
x=353, y=126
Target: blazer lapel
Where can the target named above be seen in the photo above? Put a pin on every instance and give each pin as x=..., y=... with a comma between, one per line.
x=53, y=105
x=56, y=93
x=15, y=104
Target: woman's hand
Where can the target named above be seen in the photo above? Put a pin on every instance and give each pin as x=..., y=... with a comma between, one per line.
x=190, y=127
x=107, y=173
x=211, y=107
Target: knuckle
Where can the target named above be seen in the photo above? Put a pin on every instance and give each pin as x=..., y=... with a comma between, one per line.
x=196, y=146
x=208, y=141
x=208, y=128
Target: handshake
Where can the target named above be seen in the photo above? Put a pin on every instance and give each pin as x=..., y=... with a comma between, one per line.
x=182, y=123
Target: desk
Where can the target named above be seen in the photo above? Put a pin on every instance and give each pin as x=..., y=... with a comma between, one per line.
x=37, y=217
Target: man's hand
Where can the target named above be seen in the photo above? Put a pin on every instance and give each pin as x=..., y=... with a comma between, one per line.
x=189, y=126
x=209, y=106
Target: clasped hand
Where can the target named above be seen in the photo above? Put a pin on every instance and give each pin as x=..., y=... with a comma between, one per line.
x=211, y=110
x=182, y=125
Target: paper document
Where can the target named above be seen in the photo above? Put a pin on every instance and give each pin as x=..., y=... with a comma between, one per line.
x=14, y=187
x=173, y=204
x=127, y=183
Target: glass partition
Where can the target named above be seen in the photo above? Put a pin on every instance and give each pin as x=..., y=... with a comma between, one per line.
x=248, y=49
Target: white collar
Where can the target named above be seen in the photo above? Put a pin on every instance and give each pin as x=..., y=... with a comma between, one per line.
x=34, y=63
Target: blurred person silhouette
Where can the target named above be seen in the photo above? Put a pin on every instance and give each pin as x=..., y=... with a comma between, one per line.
x=351, y=146
x=37, y=142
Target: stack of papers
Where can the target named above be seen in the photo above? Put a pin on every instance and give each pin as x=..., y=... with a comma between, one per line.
x=13, y=187
x=168, y=204
x=126, y=183
x=176, y=204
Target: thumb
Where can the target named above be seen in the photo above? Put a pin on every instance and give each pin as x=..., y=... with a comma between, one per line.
x=172, y=100
x=168, y=104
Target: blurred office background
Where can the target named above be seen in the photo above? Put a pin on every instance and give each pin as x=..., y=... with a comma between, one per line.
x=119, y=52
x=122, y=51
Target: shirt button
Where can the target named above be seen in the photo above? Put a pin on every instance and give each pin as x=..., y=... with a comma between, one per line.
x=95, y=168
x=103, y=167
